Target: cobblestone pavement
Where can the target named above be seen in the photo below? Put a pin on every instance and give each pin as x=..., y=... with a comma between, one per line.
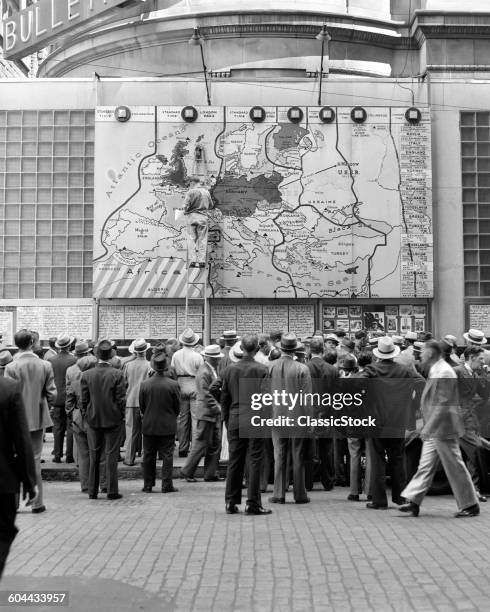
x=181, y=552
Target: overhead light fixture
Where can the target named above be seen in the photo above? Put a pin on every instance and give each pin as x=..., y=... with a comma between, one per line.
x=413, y=115
x=295, y=114
x=189, y=114
x=197, y=40
x=257, y=114
x=325, y=38
x=327, y=114
x=358, y=114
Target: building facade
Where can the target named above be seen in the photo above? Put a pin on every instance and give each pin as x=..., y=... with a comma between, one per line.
x=62, y=148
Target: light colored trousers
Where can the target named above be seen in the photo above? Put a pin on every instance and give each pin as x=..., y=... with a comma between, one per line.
x=459, y=478
x=37, y=449
x=355, y=446
x=197, y=236
x=133, y=434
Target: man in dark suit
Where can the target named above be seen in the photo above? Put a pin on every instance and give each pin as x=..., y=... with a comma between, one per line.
x=394, y=400
x=474, y=387
x=159, y=402
x=234, y=377
x=62, y=422
x=324, y=377
x=103, y=395
x=16, y=462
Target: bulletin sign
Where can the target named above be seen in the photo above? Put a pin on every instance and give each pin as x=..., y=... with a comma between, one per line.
x=388, y=318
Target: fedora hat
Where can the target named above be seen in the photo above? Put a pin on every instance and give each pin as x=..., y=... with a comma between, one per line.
x=331, y=337
x=300, y=349
x=348, y=363
x=81, y=348
x=230, y=334
x=449, y=340
x=289, y=342
x=140, y=345
x=410, y=335
x=63, y=341
x=236, y=352
x=5, y=356
x=212, y=350
x=386, y=349
x=348, y=343
x=188, y=337
x=159, y=362
x=373, y=341
x=475, y=336
x=418, y=346
x=104, y=349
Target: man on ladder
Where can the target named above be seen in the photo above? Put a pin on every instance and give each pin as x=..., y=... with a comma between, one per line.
x=196, y=204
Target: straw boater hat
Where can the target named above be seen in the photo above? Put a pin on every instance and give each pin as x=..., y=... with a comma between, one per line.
x=410, y=335
x=140, y=345
x=475, y=336
x=5, y=356
x=230, y=335
x=418, y=346
x=212, y=350
x=398, y=340
x=188, y=337
x=386, y=349
x=63, y=341
x=331, y=337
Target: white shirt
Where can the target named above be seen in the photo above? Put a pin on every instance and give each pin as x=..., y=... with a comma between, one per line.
x=186, y=362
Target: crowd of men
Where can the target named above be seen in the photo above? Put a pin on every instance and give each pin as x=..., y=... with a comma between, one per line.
x=179, y=390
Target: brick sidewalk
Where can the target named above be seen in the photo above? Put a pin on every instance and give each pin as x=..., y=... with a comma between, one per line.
x=181, y=552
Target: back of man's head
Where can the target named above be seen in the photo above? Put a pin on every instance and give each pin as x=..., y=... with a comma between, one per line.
x=472, y=351
x=330, y=356
x=317, y=346
x=250, y=343
x=435, y=347
x=23, y=339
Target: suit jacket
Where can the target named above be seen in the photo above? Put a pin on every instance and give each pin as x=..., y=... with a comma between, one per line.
x=159, y=401
x=292, y=377
x=60, y=364
x=472, y=390
x=16, y=457
x=235, y=388
x=440, y=404
x=73, y=402
x=207, y=406
x=103, y=396
x=135, y=372
x=37, y=385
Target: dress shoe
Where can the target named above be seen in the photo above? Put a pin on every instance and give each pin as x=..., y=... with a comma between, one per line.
x=232, y=509
x=306, y=500
x=399, y=501
x=328, y=487
x=146, y=490
x=214, y=479
x=93, y=496
x=114, y=496
x=470, y=511
x=38, y=510
x=375, y=506
x=353, y=497
x=84, y=490
x=103, y=490
x=171, y=490
x=410, y=508
x=128, y=464
x=69, y=460
x=183, y=453
x=257, y=510
x=263, y=490
x=481, y=498
x=57, y=460
x=277, y=500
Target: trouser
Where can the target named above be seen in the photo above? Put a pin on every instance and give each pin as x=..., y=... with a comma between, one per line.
x=8, y=530
x=325, y=453
x=267, y=470
x=473, y=459
x=393, y=448
x=58, y=416
x=151, y=446
x=205, y=443
x=238, y=449
x=37, y=449
x=103, y=441
x=295, y=448
x=341, y=458
x=197, y=237
x=458, y=476
x=188, y=402
x=83, y=461
x=69, y=436
x=355, y=452
x=133, y=434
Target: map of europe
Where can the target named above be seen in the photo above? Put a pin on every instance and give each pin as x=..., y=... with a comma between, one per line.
x=305, y=210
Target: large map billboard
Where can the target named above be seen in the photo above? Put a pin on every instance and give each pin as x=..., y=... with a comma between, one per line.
x=306, y=210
